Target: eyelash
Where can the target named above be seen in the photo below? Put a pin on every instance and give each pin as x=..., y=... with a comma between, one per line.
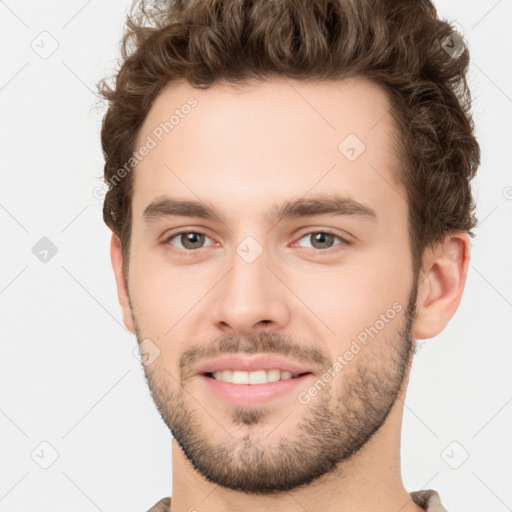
x=191, y=252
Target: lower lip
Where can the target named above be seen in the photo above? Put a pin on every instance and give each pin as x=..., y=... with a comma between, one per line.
x=246, y=395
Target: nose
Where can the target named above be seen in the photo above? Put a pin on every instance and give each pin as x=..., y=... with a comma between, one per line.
x=250, y=297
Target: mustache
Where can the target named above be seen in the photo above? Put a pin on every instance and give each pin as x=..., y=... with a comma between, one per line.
x=265, y=342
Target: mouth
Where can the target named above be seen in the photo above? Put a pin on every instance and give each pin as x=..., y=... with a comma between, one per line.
x=244, y=381
x=243, y=394
x=251, y=369
x=255, y=378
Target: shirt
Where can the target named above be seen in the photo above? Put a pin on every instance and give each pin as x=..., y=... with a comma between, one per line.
x=428, y=499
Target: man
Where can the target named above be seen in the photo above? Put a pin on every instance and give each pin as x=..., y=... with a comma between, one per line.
x=289, y=195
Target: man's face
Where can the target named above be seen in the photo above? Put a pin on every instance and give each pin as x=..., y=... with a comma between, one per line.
x=308, y=288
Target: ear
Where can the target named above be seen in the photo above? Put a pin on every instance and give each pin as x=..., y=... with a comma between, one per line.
x=116, y=257
x=442, y=282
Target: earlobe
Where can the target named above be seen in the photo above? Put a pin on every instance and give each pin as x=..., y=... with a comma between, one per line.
x=440, y=291
x=122, y=288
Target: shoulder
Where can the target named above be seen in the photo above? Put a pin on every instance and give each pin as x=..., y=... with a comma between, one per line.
x=429, y=500
x=162, y=506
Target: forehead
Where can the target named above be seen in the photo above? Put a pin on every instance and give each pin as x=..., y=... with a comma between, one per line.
x=249, y=146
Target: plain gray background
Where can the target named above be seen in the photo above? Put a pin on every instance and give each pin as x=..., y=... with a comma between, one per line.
x=68, y=374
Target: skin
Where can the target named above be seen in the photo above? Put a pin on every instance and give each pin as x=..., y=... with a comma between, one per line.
x=243, y=151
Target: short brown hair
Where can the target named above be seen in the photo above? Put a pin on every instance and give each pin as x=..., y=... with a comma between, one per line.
x=400, y=45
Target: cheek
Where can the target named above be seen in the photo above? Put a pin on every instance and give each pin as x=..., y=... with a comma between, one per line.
x=351, y=298
x=153, y=294
x=368, y=279
x=164, y=295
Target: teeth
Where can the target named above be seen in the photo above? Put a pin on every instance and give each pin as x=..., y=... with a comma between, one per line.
x=256, y=377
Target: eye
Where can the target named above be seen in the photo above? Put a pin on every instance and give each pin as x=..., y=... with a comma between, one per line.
x=192, y=240
x=189, y=240
x=323, y=239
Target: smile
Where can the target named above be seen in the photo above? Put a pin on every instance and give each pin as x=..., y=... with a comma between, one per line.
x=254, y=377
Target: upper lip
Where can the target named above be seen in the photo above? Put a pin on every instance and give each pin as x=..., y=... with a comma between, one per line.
x=250, y=363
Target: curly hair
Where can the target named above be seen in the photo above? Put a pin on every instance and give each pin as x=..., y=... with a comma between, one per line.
x=403, y=46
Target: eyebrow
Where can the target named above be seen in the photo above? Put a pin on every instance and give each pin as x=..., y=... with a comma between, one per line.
x=336, y=205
